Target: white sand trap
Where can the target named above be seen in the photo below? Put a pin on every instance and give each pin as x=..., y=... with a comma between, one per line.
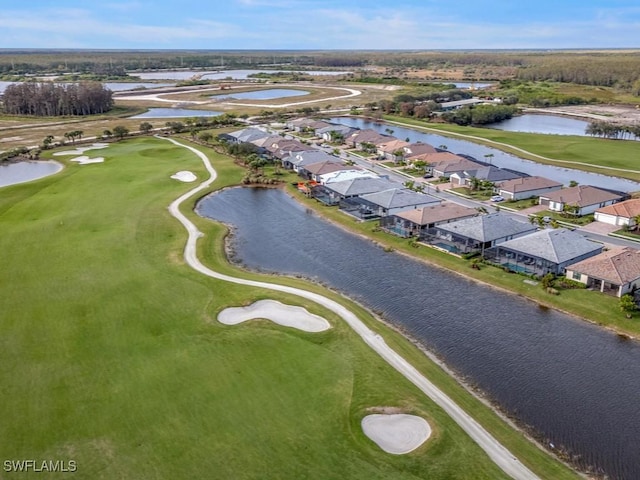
x=285, y=315
x=84, y=160
x=397, y=433
x=185, y=176
x=81, y=150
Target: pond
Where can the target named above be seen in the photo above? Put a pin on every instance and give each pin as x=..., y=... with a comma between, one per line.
x=498, y=157
x=546, y=124
x=114, y=86
x=176, y=113
x=20, y=172
x=268, y=94
x=217, y=75
x=575, y=384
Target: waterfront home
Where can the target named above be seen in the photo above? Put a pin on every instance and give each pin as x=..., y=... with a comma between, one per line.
x=477, y=234
x=392, y=150
x=579, y=200
x=345, y=175
x=544, y=251
x=394, y=200
x=418, y=148
x=314, y=171
x=298, y=159
x=620, y=214
x=437, y=158
x=309, y=125
x=284, y=147
x=526, y=187
x=455, y=105
x=487, y=173
x=446, y=168
x=334, y=192
x=366, y=136
x=245, y=135
x=335, y=133
x=421, y=221
x=616, y=271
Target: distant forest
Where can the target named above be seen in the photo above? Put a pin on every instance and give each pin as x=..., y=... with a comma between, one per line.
x=50, y=99
x=620, y=68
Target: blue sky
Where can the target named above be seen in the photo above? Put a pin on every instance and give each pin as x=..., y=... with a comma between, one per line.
x=326, y=24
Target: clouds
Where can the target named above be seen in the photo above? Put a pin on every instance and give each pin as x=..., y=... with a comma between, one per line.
x=296, y=24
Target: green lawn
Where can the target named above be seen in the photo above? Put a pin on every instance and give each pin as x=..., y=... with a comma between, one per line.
x=568, y=219
x=110, y=354
x=584, y=153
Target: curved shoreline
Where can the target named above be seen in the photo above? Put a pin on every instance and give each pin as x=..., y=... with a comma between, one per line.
x=499, y=454
x=58, y=170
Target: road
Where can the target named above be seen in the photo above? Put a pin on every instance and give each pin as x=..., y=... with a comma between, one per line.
x=498, y=453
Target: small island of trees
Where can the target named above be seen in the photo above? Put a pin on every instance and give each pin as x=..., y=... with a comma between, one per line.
x=53, y=99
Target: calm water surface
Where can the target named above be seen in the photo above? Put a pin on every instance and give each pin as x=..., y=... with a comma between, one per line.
x=21, y=172
x=499, y=158
x=268, y=94
x=234, y=74
x=176, y=113
x=576, y=385
x=114, y=86
x=545, y=124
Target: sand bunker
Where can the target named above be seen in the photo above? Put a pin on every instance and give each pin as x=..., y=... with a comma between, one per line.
x=81, y=150
x=84, y=160
x=185, y=176
x=285, y=315
x=397, y=433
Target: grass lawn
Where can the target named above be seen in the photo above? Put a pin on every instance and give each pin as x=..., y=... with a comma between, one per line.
x=479, y=195
x=110, y=354
x=578, y=221
x=588, y=153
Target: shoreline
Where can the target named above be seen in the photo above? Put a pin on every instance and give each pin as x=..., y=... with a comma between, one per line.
x=479, y=394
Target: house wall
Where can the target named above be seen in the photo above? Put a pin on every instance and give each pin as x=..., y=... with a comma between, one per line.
x=576, y=276
x=528, y=193
x=611, y=219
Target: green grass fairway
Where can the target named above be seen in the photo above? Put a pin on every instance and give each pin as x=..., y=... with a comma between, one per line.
x=110, y=354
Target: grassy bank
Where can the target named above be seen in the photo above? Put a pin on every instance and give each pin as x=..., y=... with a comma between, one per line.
x=581, y=153
x=110, y=354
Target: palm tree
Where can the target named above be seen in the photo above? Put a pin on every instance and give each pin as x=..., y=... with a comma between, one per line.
x=489, y=156
x=636, y=220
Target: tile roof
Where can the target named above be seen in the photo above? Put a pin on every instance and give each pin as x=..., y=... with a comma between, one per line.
x=582, y=195
x=398, y=198
x=419, y=148
x=626, y=209
x=486, y=228
x=525, y=184
x=556, y=245
x=361, y=186
x=328, y=166
x=437, y=213
x=392, y=145
x=619, y=265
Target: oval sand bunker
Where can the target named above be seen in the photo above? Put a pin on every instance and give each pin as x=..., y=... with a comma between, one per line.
x=285, y=315
x=184, y=176
x=397, y=433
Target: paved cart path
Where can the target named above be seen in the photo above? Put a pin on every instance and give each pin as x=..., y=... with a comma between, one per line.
x=496, y=451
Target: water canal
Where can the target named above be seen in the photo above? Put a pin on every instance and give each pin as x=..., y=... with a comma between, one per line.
x=575, y=384
x=499, y=158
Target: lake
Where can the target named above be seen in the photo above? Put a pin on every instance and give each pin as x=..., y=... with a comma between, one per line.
x=218, y=75
x=575, y=384
x=20, y=172
x=176, y=113
x=268, y=94
x=114, y=86
x=499, y=158
x=545, y=124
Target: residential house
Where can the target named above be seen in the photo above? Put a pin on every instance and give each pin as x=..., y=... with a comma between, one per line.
x=620, y=214
x=306, y=125
x=545, y=251
x=245, y=135
x=366, y=136
x=417, y=148
x=526, y=187
x=489, y=173
x=334, y=132
x=478, y=234
x=455, y=105
x=284, y=147
x=298, y=159
x=579, y=200
x=340, y=192
x=420, y=221
x=392, y=149
x=616, y=271
x=446, y=168
x=314, y=171
x=394, y=200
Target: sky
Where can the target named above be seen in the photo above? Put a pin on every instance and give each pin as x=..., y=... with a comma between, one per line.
x=320, y=25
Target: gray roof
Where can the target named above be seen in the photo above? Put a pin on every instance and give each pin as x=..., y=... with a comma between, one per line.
x=343, y=129
x=309, y=156
x=361, y=186
x=249, y=134
x=398, y=198
x=556, y=245
x=493, y=174
x=486, y=228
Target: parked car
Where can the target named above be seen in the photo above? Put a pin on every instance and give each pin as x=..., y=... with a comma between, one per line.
x=497, y=198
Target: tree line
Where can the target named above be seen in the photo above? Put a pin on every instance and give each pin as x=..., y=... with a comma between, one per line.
x=612, y=130
x=51, y=99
